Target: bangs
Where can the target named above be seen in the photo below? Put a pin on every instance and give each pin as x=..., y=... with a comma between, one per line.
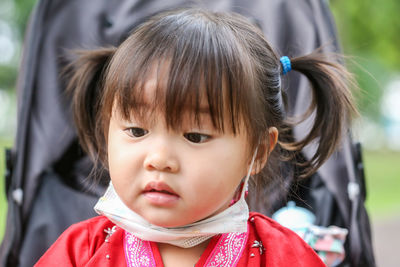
x=195, y=62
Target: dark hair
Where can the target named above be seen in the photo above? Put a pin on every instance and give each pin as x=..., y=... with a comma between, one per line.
x=221, y=55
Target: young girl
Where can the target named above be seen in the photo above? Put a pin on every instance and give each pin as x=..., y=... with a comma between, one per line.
x=182, y=114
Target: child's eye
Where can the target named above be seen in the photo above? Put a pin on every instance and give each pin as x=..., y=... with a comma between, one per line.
x=197, y=137
x=136, y=132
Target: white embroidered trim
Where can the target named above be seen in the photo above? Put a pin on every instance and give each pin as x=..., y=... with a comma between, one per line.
x=227, y=251
x=138, y=252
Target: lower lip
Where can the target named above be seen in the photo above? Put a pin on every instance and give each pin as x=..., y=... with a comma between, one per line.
x=161, y=199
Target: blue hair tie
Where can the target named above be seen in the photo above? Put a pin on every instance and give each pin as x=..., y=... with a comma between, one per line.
x=286, y=65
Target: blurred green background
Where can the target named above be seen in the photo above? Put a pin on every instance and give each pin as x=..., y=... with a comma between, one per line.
x=368, y=31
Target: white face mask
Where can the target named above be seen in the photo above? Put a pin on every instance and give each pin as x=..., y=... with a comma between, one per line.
x=232, y=220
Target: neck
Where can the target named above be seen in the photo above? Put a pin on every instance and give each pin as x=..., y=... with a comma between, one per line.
x=176, y=256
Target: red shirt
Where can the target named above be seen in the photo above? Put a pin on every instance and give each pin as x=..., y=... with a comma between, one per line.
x=84, y=244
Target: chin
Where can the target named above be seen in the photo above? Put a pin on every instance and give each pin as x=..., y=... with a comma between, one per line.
x=160, y=220
x=167, y=222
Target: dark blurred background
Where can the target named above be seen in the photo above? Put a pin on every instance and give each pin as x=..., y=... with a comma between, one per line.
x=369, y=32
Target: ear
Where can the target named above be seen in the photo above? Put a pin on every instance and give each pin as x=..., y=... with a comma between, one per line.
x=267, y=144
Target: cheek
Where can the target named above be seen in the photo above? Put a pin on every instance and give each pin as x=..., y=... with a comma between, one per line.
x=123, y=175
x=115, y=161
x=219, y=173
x=122, y=165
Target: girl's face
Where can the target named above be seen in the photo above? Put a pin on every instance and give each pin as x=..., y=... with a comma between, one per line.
x=173, y=177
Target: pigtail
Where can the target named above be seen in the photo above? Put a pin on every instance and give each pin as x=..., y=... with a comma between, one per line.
x=332, y=105
x=86, y=80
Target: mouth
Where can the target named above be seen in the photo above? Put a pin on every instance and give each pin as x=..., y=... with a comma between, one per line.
x=159, y=187
x=160, y=194
x=161, y=191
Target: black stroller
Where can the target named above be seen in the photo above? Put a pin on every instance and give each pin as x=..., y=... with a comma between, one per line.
x=47, y=189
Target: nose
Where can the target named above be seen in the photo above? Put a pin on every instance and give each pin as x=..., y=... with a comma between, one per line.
x=161, y=158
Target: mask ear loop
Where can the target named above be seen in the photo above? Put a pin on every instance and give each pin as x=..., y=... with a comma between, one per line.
x=246, y=180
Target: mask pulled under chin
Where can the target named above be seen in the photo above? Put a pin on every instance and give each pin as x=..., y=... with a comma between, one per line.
x=231, y=220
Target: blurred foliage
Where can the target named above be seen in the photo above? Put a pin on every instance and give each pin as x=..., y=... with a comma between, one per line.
x=382, y=171
x=370, y=27
x=23, y=9
x=3, y=202
x=370, y=32
x=15, y=13
x=8, y=76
